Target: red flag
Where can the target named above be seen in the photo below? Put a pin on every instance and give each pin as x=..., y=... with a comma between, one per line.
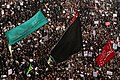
x=73, y=19
x=106, y=54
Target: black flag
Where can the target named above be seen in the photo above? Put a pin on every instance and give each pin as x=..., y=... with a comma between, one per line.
x=69, y=44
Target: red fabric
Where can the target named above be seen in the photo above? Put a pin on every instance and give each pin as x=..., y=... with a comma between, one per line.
x=106, y=54
x=73, y=19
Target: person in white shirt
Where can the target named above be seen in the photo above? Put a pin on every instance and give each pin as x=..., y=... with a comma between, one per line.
x=119, y=46
x=115, y=46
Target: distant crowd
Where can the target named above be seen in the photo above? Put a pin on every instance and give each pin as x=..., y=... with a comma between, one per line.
x=99, y=19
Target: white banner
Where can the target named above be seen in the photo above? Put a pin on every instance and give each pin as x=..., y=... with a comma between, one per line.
x=9, y=71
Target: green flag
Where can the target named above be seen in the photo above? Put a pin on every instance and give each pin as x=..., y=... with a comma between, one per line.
x=21, y=31
x=30, y=68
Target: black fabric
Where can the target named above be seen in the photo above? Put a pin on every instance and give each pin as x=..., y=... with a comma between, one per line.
x=69, y=44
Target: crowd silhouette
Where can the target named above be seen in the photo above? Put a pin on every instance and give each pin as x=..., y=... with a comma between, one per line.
x=100, y=21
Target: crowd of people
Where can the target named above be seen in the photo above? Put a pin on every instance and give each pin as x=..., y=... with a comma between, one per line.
x=100, y=21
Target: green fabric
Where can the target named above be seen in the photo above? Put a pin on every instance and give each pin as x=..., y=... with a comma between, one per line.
x=10, y=49
x=21, y=31
x=30, y=68
x=50, y=61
